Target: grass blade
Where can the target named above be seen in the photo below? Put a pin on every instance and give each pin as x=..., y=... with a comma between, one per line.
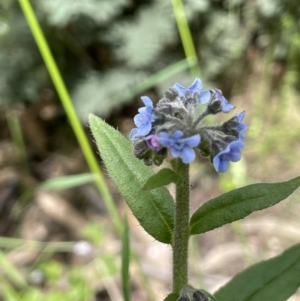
x=126, y=262
x=186, y=36
x=67, y=182
x=11, y=271
x=70, y=111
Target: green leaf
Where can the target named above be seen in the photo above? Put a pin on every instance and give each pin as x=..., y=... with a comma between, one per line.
x=154, y=209
x=164, y=177
x=174, y=164
x=8, y=292
x=125, y=262
x=238, y=203
x=275, y=279
x=11, y=271
x=172, y=297
x=67, y=181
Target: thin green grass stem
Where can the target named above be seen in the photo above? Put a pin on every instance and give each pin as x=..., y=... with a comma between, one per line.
x=186, y=36
x=156, y=78
x=76, y=125
x=126, y=262
x=14, y=243
x=70, y=111
x=18, y=139
x=7, y=291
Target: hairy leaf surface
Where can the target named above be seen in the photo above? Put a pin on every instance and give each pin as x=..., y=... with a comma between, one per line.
x=275, y=279
x=163, y=177
x=154, y=209
x=238, y=203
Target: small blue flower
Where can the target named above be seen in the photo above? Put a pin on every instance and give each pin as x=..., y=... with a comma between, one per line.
x=231, y=153
x=204, y=96
x=196, y=86
x=143, y=120
x=242, y=127
x=225, y=106
x=179, y=146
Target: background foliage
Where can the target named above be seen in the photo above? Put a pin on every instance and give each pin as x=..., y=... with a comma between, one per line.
x=105, y=49
x=120, y=43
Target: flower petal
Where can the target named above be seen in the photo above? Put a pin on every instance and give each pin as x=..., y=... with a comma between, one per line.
x=227, y=107
x=133, y=133
x=175, y=152
x=192, y=141
x=147, y=101
x=177, y=135
x=187, y=155
x=235, y=155
x=152, y=143
x=241, y=116
x=221, y=165
x=204, y=96
x=164, y=141
x=145, y=129
x=196, y=86
x=180, y=89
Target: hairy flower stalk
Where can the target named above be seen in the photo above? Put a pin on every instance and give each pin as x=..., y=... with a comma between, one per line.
x=175, y=126
x=181, y=230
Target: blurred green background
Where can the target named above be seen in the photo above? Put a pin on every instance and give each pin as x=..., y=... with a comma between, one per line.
x=60, y=221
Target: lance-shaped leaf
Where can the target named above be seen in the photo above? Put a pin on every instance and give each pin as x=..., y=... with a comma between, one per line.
x=275, y=279
x=154, y=209
x=163, y=177
x=238, y=203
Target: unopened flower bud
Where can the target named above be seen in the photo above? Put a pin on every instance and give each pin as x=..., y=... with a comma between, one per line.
x=140, y=148
x=171, y=94
x=152, y=142
x=159, y=157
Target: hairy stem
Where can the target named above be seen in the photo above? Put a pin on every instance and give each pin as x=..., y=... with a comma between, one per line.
x=181, y=230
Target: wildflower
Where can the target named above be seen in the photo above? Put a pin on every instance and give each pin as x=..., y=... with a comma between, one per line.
x=195, y=87
x=175, y=126
x=235, y=126
x=242, y=127
x=144, y=119
x=204, y=96
x=231, y=153
x=219, y=103
x=179, y=146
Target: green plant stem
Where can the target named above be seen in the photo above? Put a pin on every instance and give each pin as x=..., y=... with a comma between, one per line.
x=186, y=36
x=70, y=111
x=18, y=139
x=76, y=125
x=181, y=230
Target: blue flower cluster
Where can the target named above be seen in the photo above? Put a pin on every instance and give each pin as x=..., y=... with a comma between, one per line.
x=176, y=125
